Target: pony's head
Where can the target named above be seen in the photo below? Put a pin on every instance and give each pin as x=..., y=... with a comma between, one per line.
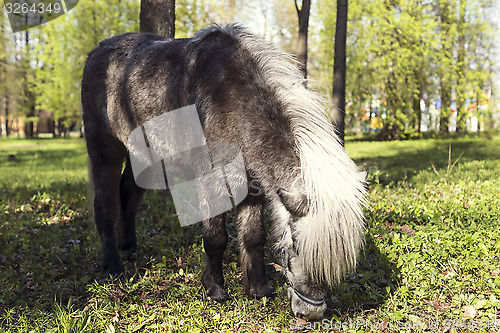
x=307, y=297
x=316, y=251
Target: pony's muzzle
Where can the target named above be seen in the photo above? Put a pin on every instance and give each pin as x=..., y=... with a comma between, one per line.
x=304, y=309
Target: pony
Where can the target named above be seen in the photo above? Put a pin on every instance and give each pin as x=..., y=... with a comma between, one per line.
x=249, y=94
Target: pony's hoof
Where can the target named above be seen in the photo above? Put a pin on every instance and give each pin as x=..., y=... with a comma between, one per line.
x=261, y=291
x=217, y=294
x=128, y=252
x=114, y=270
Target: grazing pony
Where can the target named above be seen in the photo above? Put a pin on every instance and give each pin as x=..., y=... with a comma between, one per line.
x=251, y=95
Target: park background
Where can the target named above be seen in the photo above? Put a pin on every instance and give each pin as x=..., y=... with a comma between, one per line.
x=413, y=66
x=422, y=118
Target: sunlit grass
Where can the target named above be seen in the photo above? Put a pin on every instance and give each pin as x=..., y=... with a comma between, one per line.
x=431, y=254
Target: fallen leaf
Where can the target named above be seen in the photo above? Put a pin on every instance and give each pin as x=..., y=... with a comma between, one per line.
x=181, y=264
x=300, y=322
x=407, y=229
x=469, y=312
x=116, y=317
x=383, y=325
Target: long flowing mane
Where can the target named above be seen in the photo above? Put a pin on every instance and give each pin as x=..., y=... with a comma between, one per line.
x=331, y=234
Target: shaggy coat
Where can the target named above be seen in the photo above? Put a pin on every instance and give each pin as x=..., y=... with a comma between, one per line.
x=249, y=94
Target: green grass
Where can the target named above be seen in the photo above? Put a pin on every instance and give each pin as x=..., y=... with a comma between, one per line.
x=430, y=260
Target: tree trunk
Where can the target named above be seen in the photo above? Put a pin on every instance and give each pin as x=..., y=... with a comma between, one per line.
x=417, y=112
x=444, y=120
x=158, y=17
x=461, y=89
x=28, y=94
x=303, y=15
x=29, y=129
x=339, y=69
x=5, y=117
x=447, y=53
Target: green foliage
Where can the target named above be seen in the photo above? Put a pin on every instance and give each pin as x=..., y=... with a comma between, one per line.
x=193, y=15
x=62, y=49
x=9, y=86
x=402, y=52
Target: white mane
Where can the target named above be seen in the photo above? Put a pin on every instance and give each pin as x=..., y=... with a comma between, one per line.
x=330, y=235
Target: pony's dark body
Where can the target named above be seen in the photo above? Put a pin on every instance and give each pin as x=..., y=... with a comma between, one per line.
x=132, y=78
x=250, y=95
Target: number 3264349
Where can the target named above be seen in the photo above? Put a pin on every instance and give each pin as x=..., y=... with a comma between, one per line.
x=40, y=8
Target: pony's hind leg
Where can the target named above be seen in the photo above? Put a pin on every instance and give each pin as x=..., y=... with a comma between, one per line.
x=130, y=198
x=215, y=242
x=106, y=157
x=252, y=238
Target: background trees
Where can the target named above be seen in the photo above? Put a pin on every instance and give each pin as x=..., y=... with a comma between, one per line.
x=61, y=51
x=8, y=82
x=404, y=55
x=303, y=21
x=411, y=65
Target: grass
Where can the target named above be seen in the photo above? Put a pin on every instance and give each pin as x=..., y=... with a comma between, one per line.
x=430, y=261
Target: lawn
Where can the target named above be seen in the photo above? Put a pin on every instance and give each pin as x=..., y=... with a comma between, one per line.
x=430, y=262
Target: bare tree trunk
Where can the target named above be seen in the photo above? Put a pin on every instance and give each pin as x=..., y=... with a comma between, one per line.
x=446, y=84
x=4, y=118
x=28, y=95
x=461, y=111
x=339, y=69
x=158, y=17
x=303, y=15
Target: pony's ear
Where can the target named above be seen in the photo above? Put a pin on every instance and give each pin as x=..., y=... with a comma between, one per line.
x=295, y=203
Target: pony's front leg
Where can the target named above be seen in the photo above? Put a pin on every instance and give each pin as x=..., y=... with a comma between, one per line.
x=215, y=242
x=252, y=237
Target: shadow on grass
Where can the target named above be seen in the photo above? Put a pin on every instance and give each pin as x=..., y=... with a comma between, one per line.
x=46, y=245
x=412, y=159
x=50, y=254
x=375, y=279
x=43, y=158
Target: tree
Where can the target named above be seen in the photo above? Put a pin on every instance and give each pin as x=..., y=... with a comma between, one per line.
x=475, y=37
x=446, y=73
x=403, y=52
x=461, y=69
x=7, y=78
x=193, y=15
x=339, y=68
x=158, y=17
x=62, y=48
x=28, y=97
x=284, y=27
x=303, y=16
